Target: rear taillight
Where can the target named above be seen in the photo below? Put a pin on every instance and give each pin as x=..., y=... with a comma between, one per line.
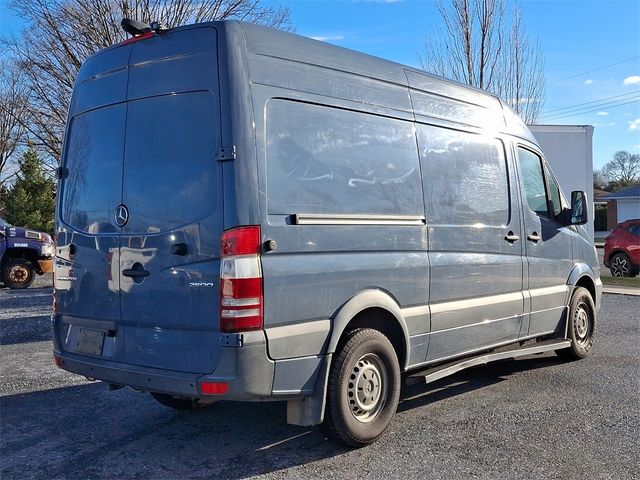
x=240, y=280
x=136, y=38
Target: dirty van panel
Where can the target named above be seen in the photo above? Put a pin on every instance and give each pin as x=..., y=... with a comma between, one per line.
x=173, y=62
x=172, y=189
x=476, y=272
x=369, y=168
x=343, y=169
x=102, y=80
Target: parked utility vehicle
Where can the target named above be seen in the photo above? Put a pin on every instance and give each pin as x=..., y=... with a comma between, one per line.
x=301, y=222
x=23, y=254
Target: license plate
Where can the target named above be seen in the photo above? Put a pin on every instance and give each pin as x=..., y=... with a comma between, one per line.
x=90, y=341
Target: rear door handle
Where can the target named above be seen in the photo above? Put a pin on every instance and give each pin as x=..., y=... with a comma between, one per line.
x=512, y=237
x=134, y=273
x=534, y=237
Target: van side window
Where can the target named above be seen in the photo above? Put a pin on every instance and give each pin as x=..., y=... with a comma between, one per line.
x=465, y=177
x=533, y=180
x=327, y=160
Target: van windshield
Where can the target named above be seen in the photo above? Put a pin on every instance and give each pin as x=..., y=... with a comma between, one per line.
x=155, y=155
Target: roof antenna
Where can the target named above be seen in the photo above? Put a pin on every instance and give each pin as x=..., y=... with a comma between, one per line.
x=133, y=27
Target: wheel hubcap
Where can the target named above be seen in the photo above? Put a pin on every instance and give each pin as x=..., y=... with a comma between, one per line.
x=619, y=267
x=582, y=325
x=367, y=388
x=18, y=274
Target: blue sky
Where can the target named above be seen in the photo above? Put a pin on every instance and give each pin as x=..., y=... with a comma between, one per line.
x=590, y=48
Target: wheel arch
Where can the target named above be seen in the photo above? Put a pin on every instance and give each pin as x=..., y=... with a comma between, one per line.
x=372, y=309
x=27, y=253
x=615, y=251
x=583, y=276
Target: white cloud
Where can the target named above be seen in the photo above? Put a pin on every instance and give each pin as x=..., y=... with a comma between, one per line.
x=602, y=114
x=634, y=125
x=632, y=80
x=328, y=38
x=588, y=82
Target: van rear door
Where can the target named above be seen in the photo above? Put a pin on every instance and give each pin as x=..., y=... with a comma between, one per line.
x=141, y=207
x=172, y=189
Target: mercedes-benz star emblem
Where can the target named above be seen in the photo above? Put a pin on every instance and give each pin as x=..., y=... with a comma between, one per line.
x=121, y=215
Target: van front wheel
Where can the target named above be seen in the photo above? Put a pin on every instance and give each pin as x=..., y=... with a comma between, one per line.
x=581, y=326
x=364, y=389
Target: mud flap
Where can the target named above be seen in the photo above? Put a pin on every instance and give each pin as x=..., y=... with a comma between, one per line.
x=309, y=410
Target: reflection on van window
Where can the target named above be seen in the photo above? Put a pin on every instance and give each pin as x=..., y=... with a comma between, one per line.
x=326, y=160
x=465, y=178
x=554, y=192
x=533, y=179
x=169, y=169
x=91, y=190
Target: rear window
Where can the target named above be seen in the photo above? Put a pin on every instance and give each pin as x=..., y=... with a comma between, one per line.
x=170, y=167
x=164, y=172
x=91, y=190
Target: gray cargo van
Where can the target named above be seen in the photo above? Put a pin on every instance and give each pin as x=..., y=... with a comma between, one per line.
x=247, y=214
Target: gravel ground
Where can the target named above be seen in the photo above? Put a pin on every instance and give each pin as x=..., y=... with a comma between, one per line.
x=534, y=418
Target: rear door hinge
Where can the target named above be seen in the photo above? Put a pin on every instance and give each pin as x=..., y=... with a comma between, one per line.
x=224, y=154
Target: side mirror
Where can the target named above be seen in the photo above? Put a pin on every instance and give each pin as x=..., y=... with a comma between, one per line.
x=578, y=208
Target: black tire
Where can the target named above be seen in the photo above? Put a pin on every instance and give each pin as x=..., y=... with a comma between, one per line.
x=177, y=403
x=581, y=327
x=363, y=390
x=18, y=273
x=620, y=265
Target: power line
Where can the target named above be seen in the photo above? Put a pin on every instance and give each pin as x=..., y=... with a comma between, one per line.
x=591, y=111
x=593, y=101
x=600, y=106
x=594, y=70
x=596, y=108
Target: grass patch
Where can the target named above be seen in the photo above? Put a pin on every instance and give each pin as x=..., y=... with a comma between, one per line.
x=621, y=281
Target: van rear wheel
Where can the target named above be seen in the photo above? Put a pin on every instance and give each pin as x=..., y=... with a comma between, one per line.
x=364, y=389
x=177, y=403
x=581, y=325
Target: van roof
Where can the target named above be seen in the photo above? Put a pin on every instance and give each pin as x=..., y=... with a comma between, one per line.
x=264, y=42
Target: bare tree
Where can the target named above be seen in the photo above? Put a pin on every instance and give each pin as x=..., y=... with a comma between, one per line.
x=623, y=170
x=61, y=34
x=13, y=112
x=599, y=180
x=480, y=47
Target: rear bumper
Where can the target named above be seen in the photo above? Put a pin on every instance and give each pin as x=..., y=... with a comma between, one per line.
x=246, y=369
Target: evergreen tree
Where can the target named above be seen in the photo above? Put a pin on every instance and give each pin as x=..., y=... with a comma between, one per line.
x=30, y=201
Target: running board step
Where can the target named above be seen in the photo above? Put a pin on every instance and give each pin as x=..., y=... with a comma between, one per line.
x=441, y=371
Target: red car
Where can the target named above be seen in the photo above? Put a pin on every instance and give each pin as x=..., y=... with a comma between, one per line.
x=622, y=249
